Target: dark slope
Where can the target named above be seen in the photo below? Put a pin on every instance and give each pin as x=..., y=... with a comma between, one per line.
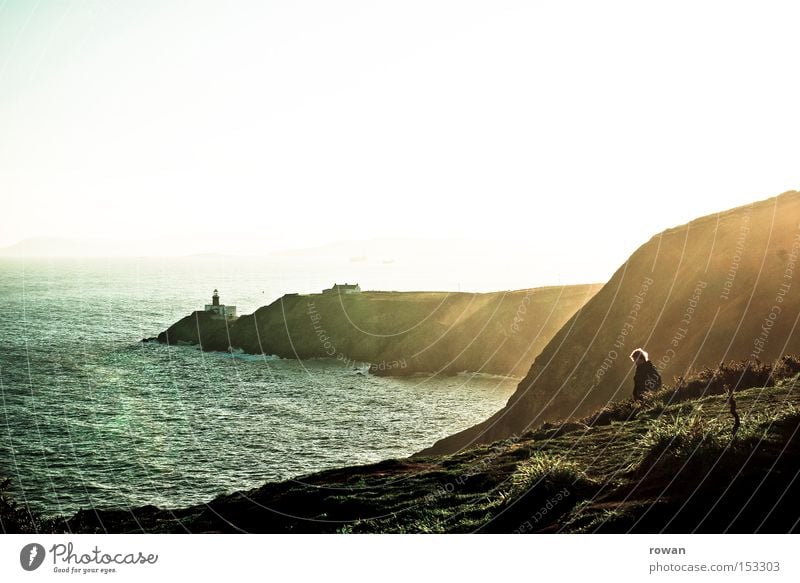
x=718, y=288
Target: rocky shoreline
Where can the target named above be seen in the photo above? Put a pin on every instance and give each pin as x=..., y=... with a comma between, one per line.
x=396, y=333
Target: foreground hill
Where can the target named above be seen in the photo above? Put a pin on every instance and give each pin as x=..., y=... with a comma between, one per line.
x=399, y=333
x=672, y=463
x=718, y=288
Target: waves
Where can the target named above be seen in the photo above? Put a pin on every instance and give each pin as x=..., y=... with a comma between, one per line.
x=92, y=417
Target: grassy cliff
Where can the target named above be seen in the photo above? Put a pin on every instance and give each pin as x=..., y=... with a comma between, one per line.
x=718, y=288
x=675, y=462
x=398, y=332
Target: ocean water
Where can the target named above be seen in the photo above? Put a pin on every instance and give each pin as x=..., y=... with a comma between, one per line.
x=91, y=417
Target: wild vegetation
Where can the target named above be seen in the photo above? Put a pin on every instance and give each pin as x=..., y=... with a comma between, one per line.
x=669, y=463
x=702, y=292
x=16, y=518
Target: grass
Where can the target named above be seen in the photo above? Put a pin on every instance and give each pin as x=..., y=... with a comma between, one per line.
x=548, y=472
x=670, y=462
x=678, y=440
x=736, y=375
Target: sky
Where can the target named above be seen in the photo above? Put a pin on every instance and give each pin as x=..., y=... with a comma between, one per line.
x=575, y=130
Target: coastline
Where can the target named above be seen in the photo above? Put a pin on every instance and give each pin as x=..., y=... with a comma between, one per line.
x=396, y=333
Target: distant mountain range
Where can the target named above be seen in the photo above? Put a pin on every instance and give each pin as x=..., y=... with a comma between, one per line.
x=382, y=249
x=66, y=247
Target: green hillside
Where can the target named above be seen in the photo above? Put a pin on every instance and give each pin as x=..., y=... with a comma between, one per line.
x=398, y=333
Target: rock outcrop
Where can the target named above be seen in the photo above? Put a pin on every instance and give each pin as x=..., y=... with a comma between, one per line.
x=397, y=333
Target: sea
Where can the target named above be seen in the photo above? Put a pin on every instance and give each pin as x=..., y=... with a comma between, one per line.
x=91, y=417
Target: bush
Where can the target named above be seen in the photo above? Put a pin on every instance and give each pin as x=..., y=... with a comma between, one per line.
x=681, y=444
x=742, y=374
x=615, y=411
x=787, y=367
x=737, y=374
x=541, y=491
x=549, y=473
x=15, y=518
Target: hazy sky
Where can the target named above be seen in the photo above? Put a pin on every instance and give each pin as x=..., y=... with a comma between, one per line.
x=574, y=128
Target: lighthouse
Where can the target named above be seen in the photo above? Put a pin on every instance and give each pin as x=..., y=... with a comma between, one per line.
x=220, y=311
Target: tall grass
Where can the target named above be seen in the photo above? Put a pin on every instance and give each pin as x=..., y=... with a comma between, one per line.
x=693, y=444
x=549, y=472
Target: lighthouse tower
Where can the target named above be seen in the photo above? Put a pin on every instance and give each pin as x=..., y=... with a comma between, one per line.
x=220, y=311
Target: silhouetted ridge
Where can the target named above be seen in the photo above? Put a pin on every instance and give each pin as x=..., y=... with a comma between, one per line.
x=718, y=288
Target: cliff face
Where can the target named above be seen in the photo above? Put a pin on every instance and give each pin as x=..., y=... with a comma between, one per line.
x=399, y=333
x=719, y=288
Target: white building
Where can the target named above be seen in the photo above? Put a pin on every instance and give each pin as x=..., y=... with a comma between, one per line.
x=343, y=288
x=220, y=311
